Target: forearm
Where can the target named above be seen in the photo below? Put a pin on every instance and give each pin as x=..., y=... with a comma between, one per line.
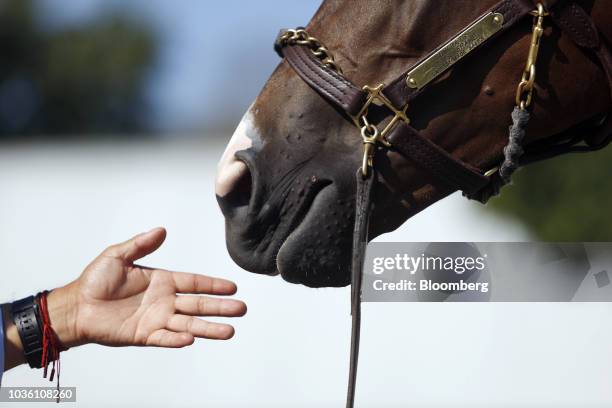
x=62, y=312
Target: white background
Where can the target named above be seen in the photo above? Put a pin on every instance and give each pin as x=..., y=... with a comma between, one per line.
x=60, y=205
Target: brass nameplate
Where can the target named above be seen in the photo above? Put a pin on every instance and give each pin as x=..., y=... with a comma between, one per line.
x=457, y=48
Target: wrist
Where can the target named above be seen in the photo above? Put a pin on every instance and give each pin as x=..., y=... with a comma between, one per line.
x=62, y=304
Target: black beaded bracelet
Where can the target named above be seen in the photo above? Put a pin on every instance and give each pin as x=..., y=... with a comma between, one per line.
x=26, y=316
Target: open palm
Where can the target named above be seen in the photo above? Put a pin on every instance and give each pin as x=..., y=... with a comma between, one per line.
x=120, y=303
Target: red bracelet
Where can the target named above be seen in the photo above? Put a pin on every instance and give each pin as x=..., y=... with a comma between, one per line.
x=52, y=346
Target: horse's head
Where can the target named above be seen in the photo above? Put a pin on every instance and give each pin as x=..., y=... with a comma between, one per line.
x=286, y=182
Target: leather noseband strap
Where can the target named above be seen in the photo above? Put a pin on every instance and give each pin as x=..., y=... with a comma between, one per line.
x=330, y=84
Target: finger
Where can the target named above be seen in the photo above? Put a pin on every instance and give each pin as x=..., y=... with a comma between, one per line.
x=206, y=306
x=200, y=328
x=170, y=339
x=138, y=246
x=194, y=283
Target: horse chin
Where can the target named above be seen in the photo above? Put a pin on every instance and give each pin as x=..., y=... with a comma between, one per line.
x=313, y=253
x=316, y=253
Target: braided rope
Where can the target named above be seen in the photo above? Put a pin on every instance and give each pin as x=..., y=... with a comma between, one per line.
x=512, y=155
x=514, y=149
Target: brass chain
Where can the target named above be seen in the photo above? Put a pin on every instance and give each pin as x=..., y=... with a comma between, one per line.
x=301, y=37
x=524, y=90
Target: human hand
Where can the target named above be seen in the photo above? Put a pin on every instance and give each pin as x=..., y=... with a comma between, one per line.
x=118, y=303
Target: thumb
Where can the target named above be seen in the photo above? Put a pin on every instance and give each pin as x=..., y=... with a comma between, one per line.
x=138, y=246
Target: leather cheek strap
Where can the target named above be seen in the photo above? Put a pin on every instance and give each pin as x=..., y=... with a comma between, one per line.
x=425, y=154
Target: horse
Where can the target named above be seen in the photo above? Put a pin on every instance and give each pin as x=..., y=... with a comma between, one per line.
x=286, y=181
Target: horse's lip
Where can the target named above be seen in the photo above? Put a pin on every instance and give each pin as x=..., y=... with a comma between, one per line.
x=251, y=218
x=299, y=215
x=297, y=225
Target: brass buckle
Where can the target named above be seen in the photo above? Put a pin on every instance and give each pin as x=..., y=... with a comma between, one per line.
x=369, y=132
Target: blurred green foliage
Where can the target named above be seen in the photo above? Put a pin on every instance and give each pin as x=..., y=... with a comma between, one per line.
x=568, y=198
x=88, y=79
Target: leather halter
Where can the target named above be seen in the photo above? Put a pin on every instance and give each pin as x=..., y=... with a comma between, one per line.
x=403, y=138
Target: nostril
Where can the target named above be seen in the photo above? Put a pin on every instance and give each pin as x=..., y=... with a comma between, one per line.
x=233, y=185
x=240, y=193
x=234, y=181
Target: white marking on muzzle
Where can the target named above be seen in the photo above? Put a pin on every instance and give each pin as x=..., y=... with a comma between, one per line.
x=230, y=170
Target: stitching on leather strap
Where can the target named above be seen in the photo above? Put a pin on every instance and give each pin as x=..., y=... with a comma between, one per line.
x=578, y=25
x=324, y=86
x=424, y=153
x=307, y=64
x=587, y=34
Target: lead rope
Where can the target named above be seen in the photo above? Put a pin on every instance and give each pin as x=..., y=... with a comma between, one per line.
x=363, y=203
